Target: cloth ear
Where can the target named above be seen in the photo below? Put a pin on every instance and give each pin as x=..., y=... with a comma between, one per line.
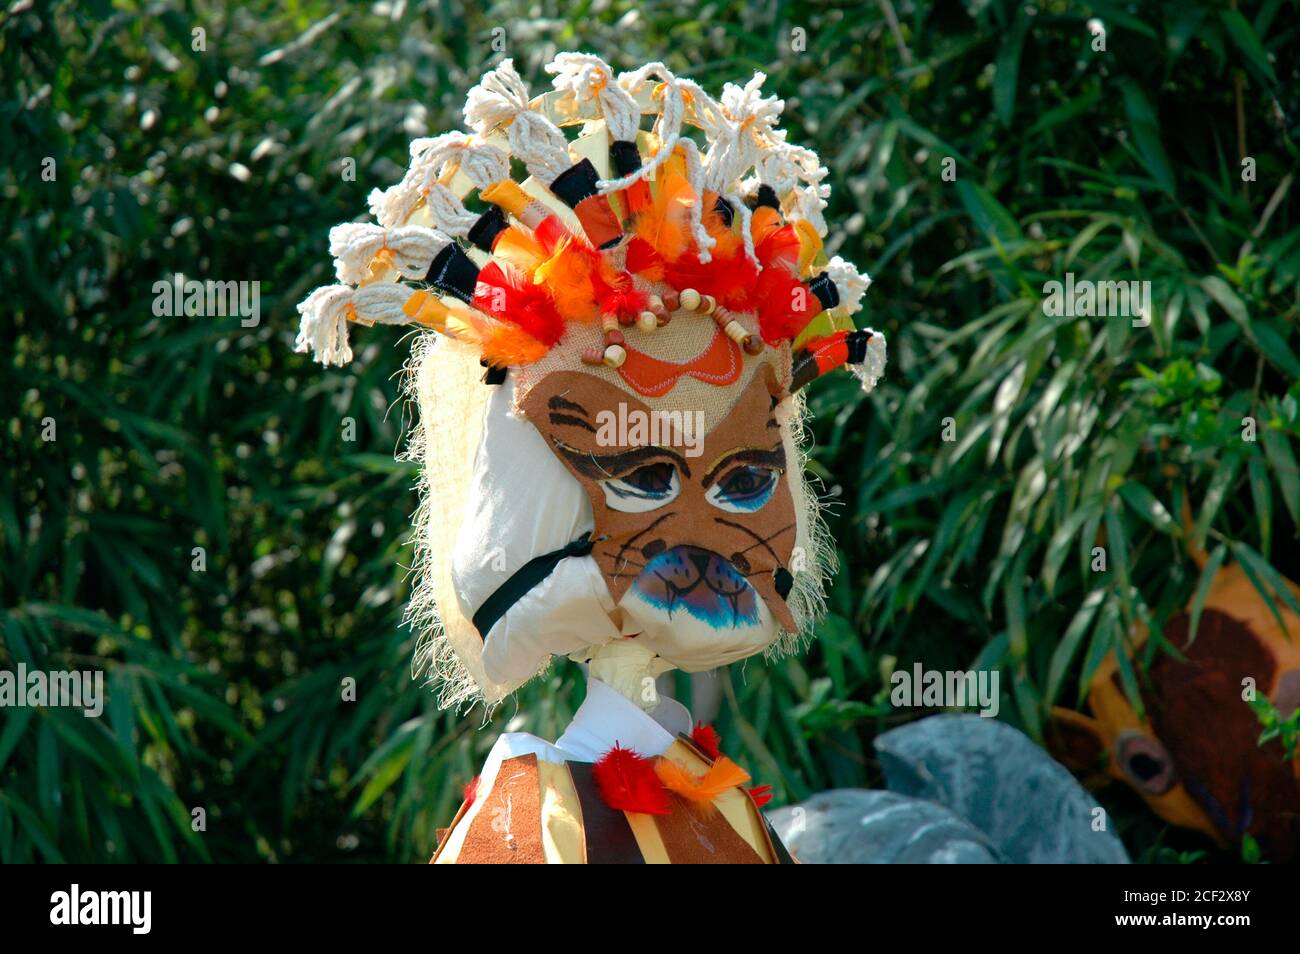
x=567, y=612
x=524, y=503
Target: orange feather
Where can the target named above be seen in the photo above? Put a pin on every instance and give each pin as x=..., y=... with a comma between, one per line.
x=502, y=344
x=702, y=790
x=567, y=276
x=666, y=225
x=727, y=241
x=521, y=249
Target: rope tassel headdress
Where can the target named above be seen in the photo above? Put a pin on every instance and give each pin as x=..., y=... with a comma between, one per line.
x=619, y=227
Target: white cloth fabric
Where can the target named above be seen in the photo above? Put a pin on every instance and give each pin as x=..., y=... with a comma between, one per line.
x=604, y=719
x=524, y=504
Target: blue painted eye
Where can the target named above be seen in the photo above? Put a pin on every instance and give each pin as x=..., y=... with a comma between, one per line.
x=646, y=488
x=744, y=489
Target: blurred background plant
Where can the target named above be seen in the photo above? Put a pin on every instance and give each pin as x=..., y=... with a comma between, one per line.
x=221, y=154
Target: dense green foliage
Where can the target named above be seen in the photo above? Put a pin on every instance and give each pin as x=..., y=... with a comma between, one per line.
x=173, y=433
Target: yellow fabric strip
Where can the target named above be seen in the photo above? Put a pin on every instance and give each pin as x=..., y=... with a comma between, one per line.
x=562, y=835
x=507, y=194
x=647, y=838
x=734, y=804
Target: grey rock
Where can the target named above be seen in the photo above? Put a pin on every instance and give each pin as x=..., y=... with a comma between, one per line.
x=994, y=776
x=859, y=826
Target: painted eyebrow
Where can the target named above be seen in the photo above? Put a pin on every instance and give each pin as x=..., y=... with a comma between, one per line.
x=560, y=403
x=572, y=421
x=774, y=458
x=600, y=466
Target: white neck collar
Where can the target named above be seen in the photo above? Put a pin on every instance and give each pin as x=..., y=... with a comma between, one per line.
x=606, y=718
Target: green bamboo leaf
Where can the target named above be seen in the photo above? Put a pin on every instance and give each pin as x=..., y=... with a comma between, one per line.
x=1277, y=447
x=1145, y=128
x=1267, y=581
x=1247, y=40
x=1203, y=588
x=1261, y=495
x=1227, y=298
x=1063, y=655
x=1008, y=70
x=1144, y=503
x=1058, y=547
x=1221, y=481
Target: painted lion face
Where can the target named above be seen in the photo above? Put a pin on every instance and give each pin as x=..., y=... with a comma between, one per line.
x=694, y=534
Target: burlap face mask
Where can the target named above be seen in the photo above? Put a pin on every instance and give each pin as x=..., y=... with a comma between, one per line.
x=695, y=534
x=609, y=406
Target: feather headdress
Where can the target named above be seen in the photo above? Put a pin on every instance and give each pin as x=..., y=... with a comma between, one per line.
x=618, y=226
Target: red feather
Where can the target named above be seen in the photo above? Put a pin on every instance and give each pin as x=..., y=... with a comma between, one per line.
x=785, y=305
x=644, y=259
x=729, y=280
x=707, y=738
x=615, y=293
x=627, y=782
x=551, y=232
x=779, y=245
x=471, y=791
x=761, y=794
x=505, y=294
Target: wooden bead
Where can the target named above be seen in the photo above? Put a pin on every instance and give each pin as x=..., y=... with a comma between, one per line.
x=656, y=303
x=735, y=331
x=671, y=302
x=648, y=321
x=752, y=344
x=593, y=355
x=614, y=338
x=615, y=355
x=609, y=322
x=710, y=304
x=689, y=299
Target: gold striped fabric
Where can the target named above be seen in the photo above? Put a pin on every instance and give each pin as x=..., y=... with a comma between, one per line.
x=541, y=812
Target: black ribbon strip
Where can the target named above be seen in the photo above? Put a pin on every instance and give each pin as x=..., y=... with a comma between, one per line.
x=454, y=272
x=625, y=157
x=765, y=196
x=576, y=183
x=856, y=342
x=524, y=579
x=825, y=290
x=486, y=228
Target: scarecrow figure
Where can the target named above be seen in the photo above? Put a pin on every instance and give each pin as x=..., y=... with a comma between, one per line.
x=610, y=420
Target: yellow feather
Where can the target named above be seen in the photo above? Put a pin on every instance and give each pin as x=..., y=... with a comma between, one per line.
x=520, y=249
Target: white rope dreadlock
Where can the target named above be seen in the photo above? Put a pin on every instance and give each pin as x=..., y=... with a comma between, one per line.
x=590, y=79
x=412, y=248
x=326, y=311
x=849, y=282
x=501, y=99
x=482, y=164
x=431, y=159
x=871, y=370
x=739, y=130
x=668, y=126
x=784, y=167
